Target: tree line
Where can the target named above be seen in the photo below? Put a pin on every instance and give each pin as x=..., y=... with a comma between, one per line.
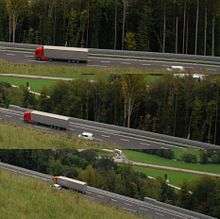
x=100, y=171
x=179, y=26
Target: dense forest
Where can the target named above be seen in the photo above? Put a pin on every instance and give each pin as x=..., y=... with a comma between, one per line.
x=180, y=26
x=100, y=171
x=182, y=107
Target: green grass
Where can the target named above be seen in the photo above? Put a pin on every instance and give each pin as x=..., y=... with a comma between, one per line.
x=180, y=151
x=18, y=137
x=153, y=159
x=73, y=71
x=35, y=84
x=175, y=178
x=23, y=197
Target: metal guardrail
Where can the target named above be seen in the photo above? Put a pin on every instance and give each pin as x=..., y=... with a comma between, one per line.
x=149, y=207
x=24, y=46
x=125, y=54
x=170, y=56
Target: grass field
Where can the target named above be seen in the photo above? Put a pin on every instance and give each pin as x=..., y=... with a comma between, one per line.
x=23, y=197
x=12, y=136
x=73, y=71
x=175, y=178
x=180, y=151
x=35, y=84
x=153, y=159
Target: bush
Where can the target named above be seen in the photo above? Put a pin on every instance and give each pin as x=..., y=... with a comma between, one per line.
x=189, y=158
x=165, y=153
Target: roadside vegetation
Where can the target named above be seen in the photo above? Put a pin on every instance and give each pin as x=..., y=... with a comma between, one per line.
x=177, y=162
x=15, y=136
x=23, y=197
x=73, y=71
x=102, y=172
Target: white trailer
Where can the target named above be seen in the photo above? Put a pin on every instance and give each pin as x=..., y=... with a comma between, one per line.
x=66, y=53
x=50, y=119
x=70, y=183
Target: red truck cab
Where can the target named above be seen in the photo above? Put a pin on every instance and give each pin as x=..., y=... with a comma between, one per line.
x=40, y=54
x=27, y=117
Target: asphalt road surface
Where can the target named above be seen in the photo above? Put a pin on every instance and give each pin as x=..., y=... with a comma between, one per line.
x=117, y=135
x=27, y=57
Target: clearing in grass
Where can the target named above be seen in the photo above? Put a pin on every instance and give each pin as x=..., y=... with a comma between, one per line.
x=174, y=177
x=35, y=84
x=154, y=159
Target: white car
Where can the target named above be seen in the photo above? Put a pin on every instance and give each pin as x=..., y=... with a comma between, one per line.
x=86, y=135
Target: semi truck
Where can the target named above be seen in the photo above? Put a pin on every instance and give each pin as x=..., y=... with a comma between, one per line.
x=46, y=119
x=70, y=183
x=72, y=54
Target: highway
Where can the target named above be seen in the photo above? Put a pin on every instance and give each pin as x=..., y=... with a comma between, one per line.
x=148, y=208
x=127, y=138
x=95, y=59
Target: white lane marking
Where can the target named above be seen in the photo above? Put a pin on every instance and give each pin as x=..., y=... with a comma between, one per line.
x=36, y=61
x=10, y=54
x=122, y=139
x=126, y=63
x=105, y=136
x=9, y=116
x=98, y=66
x=28, y=56
x=4, y=50
x=105, y=61
x=146, y=64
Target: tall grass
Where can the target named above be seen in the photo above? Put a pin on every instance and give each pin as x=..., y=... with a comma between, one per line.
x=13, y=136
x=70, y=71
x=22, y=197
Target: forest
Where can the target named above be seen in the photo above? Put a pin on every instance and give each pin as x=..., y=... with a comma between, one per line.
x=181, y=107
x=100, y=171
x=177, y=26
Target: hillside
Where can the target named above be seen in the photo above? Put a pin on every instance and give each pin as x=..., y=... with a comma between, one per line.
x=13, y=136
x=22, y=197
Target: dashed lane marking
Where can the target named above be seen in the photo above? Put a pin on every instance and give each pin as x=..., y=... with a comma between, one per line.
x=105, y=136
x=122, y=139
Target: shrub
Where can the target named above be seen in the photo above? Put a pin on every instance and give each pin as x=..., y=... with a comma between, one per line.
x=189, y=158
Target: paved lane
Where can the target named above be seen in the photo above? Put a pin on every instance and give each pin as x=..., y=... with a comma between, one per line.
x=126, y=137
x=27, y=57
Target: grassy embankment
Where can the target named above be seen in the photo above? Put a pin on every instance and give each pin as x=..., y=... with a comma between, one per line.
x=23, y=197
x=71, y=71
x=153, y=159
x=17, y=137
